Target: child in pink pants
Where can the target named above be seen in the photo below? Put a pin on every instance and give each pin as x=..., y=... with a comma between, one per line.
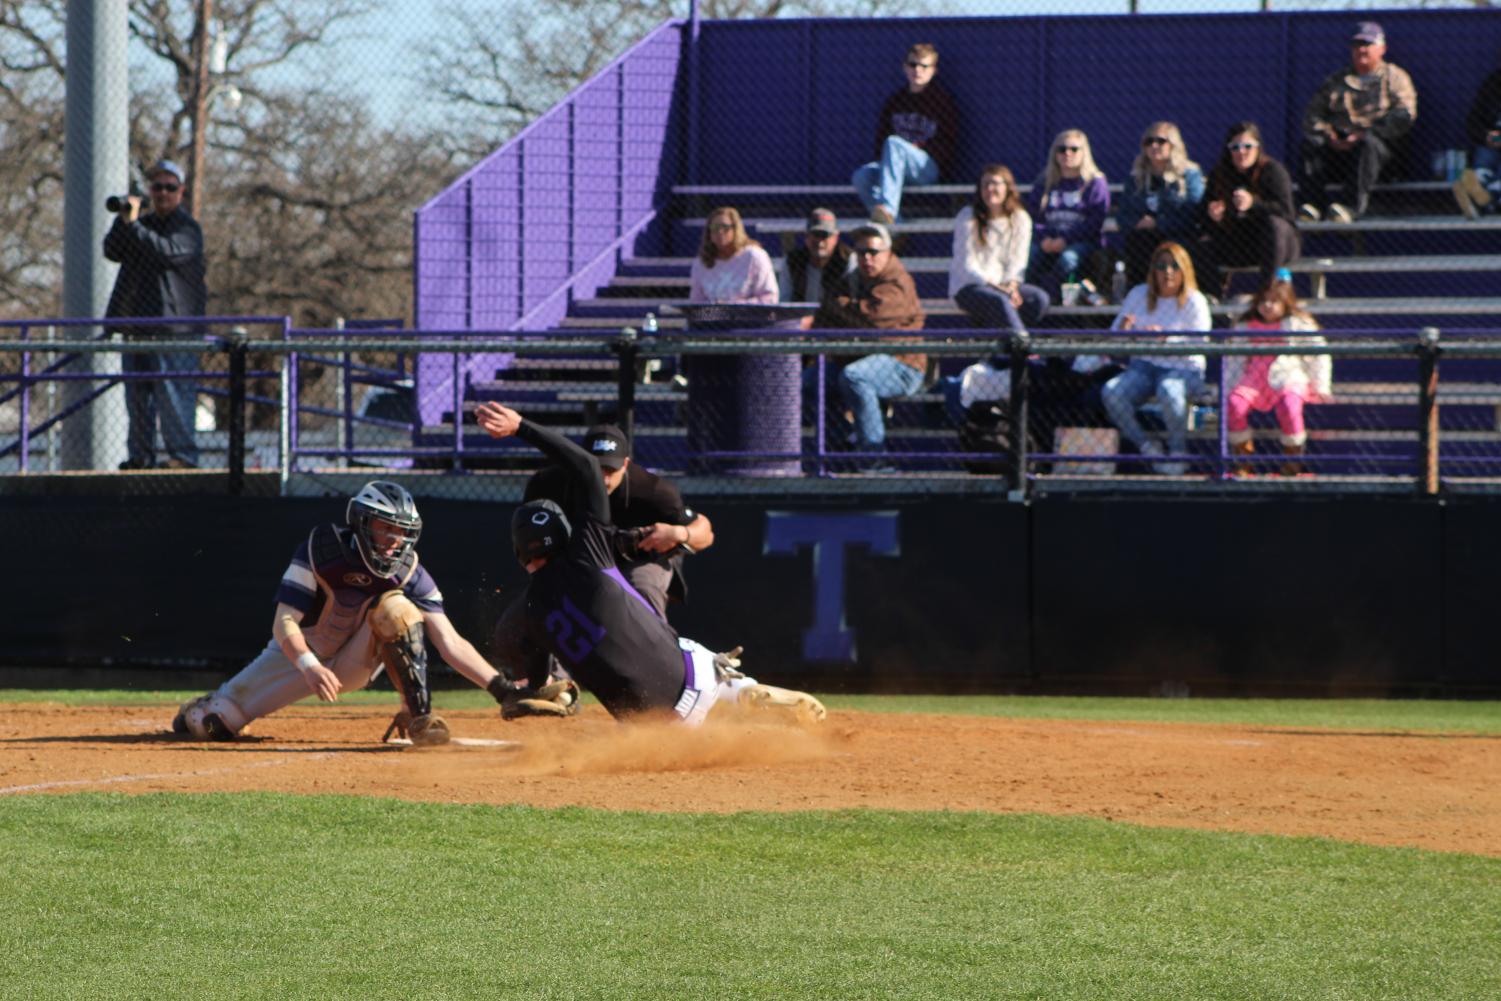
x=1279, y=383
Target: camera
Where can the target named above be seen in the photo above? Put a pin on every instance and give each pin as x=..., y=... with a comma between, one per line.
x=115, y=203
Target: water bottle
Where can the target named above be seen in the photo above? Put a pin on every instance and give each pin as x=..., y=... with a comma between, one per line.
x=1118, y=282
x=649, y=325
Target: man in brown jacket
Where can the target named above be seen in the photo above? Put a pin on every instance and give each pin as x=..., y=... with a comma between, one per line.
x=1351, y=125
x=879, y=294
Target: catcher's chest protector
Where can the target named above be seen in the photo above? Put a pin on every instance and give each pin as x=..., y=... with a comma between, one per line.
x=345, y=586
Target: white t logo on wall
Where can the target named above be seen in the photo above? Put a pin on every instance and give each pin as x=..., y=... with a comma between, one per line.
x=829, y=639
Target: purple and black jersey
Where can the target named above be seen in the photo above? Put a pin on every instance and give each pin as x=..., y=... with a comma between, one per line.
x=580, y=608
x=333, y=588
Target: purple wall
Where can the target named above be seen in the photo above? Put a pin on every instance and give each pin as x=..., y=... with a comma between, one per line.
x=547, y=216
x=802, y=96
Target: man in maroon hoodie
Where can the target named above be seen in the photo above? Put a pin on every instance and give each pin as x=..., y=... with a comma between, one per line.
x=915, y=140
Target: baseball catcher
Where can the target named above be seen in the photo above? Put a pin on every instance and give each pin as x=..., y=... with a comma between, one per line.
x=354, y=601
x=579, y=608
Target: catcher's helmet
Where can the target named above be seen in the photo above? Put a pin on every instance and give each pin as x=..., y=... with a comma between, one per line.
x=389, y=504
x=538, y=528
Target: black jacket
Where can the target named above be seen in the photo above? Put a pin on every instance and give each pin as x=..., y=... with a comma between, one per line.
x=833, y=272
x=1485, y=112
x=161, y=269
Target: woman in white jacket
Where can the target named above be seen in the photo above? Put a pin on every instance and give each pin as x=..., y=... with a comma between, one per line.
x=1279, y=383
x=1170, y=300
x=992, y=239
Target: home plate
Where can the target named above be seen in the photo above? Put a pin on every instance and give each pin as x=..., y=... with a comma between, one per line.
x=513, y=745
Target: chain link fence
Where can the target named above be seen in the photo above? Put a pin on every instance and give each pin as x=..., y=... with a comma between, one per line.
x=569, y=164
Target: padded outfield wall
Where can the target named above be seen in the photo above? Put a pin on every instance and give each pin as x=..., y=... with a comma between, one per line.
x=1170, y=596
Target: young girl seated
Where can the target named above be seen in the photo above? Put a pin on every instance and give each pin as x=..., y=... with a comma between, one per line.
x=1279, y=383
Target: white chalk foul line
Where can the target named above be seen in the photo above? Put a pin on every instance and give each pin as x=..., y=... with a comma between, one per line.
x=154, y=776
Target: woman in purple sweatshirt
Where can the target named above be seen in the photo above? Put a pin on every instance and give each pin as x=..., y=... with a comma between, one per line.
x=1070, y=200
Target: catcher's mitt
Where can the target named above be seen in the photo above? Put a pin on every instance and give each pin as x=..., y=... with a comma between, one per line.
x=557, y=698
x=427, y=730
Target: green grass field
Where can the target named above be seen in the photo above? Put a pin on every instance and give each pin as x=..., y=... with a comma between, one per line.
x=275, y=896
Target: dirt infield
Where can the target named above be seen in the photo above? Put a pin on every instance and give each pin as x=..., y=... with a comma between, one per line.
x=1428, y=791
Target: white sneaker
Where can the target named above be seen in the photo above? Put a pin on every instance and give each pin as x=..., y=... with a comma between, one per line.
x=1170, y=468
x=1308, y=212
x=1340, y=213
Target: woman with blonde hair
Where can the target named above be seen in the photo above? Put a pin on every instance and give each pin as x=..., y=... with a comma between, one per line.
x=1160, y=199
x=730, y=266
x=1070, y=200
x=1279, y=383
x=1169, y=300
x=992, y=241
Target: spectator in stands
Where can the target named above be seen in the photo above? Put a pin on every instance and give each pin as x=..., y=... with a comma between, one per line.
x=992, y=241
x=1280, y=383
x=730, y=266
x=914, y=141
x=160, y=254
x=1351, y=127
x=1248, y=210
x=1069, y=203
x=1169, y=300
x=1160, y=199
x=1479, y=187
x=822, y=261
x=879, y=294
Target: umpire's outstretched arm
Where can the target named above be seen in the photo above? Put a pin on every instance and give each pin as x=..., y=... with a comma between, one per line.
x=500, y=421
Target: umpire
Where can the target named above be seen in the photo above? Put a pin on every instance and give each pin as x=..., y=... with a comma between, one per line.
x=654, y=529
x=160, y=254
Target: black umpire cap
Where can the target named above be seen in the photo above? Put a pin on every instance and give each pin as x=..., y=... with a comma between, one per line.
x=608, y=444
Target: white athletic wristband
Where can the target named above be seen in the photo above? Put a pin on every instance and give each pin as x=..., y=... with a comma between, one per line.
x=308, y=660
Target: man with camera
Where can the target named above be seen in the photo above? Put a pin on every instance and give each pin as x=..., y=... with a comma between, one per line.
x=1351, y=128
x=160, y=253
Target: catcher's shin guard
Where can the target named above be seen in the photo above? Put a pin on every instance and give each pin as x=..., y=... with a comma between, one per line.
x=801, y=706
x=396, y=625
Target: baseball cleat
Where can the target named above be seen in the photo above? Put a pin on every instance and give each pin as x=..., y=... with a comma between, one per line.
x=217, y=728
x=800, y=706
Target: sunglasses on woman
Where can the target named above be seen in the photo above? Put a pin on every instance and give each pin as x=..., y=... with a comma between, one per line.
x=1069, y=149
x=1240, y=147
x=1167, y=265
x=1156, y=141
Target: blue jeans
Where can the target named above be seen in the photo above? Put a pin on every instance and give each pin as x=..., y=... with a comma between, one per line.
x=175, y=401
x=1173, y=387
x=1052, y=270
x=865, y=383
x=988, y=306
x=901, y=163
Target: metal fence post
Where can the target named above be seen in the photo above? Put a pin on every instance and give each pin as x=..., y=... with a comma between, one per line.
x=1428, y=432
x=23, y=426
x=1020, y=344
x=627, y=349
x=235, y=342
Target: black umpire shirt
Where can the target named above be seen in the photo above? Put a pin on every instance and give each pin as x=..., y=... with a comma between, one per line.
x=642, y=499
x=580, y=609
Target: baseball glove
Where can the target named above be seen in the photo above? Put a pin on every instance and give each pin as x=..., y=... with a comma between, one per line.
x=557, y=698
x=427, y=730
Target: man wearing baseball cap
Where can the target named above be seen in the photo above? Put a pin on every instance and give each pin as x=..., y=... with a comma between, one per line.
x=1352, y=127
x=821, y=260
x=654, y=528
x=879, y=293
x=160, y=254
